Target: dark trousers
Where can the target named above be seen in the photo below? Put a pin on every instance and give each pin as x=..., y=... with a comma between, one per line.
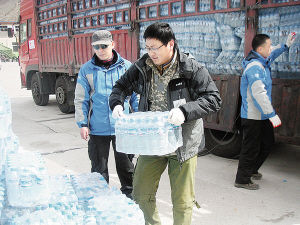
x=98, y=149
x=258, y=138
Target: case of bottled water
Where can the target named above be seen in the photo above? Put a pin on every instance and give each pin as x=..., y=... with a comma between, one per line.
x=147, y=133
x=214, y=40
x=93, y=191
x=110, y=213
x=278, y=23
x=87, y=185
x=26, y=179
x=29, y=196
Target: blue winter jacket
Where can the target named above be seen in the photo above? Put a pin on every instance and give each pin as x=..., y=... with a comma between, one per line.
x=256, y=85
x=93, y=88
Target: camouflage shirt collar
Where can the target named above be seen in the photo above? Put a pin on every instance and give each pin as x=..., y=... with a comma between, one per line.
x=162, y=68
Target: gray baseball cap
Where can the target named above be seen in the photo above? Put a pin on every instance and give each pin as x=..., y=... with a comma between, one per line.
x=101, y=37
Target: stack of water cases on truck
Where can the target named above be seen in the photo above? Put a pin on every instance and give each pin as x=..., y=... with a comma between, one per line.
x=217, y=40
x=28, y=195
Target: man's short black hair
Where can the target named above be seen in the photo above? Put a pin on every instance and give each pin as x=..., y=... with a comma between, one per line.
x=259, y=40
x=160, y=31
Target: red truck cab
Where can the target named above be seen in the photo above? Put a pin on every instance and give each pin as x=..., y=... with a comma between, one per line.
x=28, y=54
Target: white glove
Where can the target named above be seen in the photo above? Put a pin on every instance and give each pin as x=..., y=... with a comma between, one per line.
x=117, y=112
x=176, y=117
x=290, y=39
x=275, y=120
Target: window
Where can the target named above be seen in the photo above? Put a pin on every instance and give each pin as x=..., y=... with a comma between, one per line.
x=55, y=27
x=75, y=24
x=88, y=22
x=102, y=19
x=189, y=6
x=119, y=17
x=142, y=13
x=3, y=28
x=164, y=10
x=94, y=21
x=152, y=11
x=29, y=28
x=176, y=8
x=23, y=32
x=126, y=16
x=109, y=18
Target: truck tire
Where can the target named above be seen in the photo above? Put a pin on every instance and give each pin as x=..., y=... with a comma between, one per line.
x=39, y=99
x=223, y=144
x=62, y=95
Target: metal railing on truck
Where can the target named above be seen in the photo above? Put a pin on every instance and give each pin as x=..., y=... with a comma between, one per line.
x=65, y=28
x=219, y=34
x=198, y=27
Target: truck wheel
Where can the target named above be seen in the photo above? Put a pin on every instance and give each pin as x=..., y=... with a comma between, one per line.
x=62, y=95
x=223, y=144
x=39, y=99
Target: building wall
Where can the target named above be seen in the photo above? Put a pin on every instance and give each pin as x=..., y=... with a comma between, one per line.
x=10, y=42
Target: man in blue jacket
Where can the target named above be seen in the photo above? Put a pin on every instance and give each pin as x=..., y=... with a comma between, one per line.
x=258, y=116
x=92, y=113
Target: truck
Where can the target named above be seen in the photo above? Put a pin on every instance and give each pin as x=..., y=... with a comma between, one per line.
x=55, y=40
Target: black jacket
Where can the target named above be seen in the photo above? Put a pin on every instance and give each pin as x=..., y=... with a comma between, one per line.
x=194, y=84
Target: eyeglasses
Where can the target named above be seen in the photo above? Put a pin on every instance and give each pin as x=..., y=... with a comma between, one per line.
x=102, y=46
x=154, y=49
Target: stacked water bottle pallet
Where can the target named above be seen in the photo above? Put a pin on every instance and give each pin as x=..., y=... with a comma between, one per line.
x=103, y=205
x=147, y=133
x=29, y=196
x=5, y=127
x=216, y=41
x=278, y=23
x=63, y=199
x=26, y=180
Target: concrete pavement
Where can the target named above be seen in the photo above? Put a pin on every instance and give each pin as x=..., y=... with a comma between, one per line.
x=55, y=135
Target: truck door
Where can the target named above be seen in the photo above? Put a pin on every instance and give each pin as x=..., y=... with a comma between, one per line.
x=24, y=50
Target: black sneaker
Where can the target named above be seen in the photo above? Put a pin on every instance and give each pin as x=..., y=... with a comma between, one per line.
x=249, y=186
x=256, y=176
